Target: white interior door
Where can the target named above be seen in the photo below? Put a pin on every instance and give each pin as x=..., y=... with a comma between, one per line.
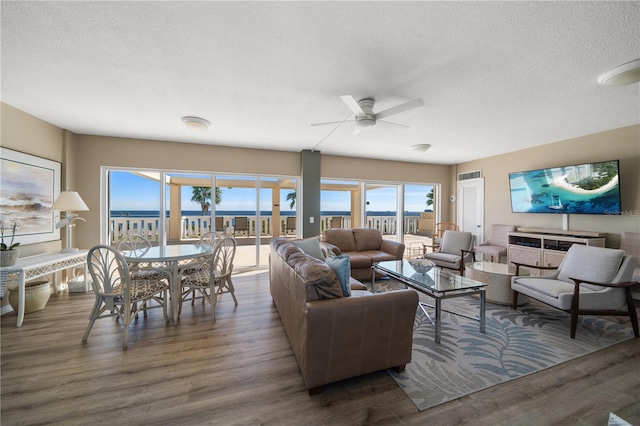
x=470, y=207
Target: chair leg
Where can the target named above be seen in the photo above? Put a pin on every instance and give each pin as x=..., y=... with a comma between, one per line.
x=575, y=310
x=232, y=289
x=515, y=299
x=633, y=316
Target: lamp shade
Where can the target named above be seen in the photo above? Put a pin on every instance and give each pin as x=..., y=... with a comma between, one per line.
x=69, y=201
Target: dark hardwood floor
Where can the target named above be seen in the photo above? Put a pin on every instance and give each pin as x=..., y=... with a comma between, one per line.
x=241, y=371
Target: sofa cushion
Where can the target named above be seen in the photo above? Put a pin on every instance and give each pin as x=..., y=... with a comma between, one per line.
x=359, y=260
x=378, y=256
x=590, y=263
x=367, y=239
x=342, y=268
x=342, y=238
x=310, y=246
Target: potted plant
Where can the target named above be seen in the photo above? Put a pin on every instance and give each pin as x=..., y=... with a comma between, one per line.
x=8, y=253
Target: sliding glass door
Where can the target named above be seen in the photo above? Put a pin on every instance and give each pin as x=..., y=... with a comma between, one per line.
x=171, y=207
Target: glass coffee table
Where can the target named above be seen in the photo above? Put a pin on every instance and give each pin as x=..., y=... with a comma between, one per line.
x=436, y=283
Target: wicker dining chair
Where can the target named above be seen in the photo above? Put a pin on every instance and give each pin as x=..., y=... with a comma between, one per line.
x=212, y=278
x=117, y=292
x=142, y=270
x=210, y=239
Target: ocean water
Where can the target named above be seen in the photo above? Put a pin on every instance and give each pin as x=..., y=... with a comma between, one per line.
x=156, y=213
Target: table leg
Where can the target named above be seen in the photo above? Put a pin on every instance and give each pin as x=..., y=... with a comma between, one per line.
x=373, y=279
x=21, y=297
x=174, y=289
x=482, y=309
x=438, y=318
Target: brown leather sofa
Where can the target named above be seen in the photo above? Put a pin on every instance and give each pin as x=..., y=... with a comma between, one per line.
x=364, y=246
x=335, y=337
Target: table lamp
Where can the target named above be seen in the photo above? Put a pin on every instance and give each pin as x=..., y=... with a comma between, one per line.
x=69, y=201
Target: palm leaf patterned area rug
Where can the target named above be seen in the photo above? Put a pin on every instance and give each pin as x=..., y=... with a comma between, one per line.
x=516, y=343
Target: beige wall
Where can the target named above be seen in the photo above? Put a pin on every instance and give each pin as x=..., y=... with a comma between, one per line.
x=82, y=156
x=26, y=133
x=620, y=144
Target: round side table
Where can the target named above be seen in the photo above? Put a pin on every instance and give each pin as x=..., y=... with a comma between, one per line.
x=497, y=276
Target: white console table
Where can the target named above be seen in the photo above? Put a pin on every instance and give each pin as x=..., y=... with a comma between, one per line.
x=30, y=267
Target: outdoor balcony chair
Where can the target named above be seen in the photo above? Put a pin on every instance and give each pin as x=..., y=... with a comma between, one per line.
x=336, y=222
x=496, y=244
x=589, y=281
x=219, y=224
x=290, y=225
x=241, y=224
x=212, y=278
x=117, y=292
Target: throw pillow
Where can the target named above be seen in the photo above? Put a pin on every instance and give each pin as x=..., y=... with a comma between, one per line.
x=310, y=246
x=342, y=268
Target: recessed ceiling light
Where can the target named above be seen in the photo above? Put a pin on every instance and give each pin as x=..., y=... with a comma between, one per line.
x=622, y=75
x=422, y=147
x=196, y=123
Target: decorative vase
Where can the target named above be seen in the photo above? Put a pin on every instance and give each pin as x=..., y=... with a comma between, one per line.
x=36, y=296
x=9, y=257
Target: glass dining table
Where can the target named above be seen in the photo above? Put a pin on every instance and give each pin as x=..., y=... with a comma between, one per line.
x=172, y=259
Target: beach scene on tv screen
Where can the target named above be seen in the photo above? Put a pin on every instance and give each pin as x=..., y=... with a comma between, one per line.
x=584, y=189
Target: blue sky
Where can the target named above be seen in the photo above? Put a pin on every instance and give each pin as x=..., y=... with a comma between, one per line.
x=132, y=192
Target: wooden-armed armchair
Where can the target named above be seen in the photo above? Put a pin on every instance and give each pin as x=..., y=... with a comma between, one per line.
x=589, y=281
x=456, y=249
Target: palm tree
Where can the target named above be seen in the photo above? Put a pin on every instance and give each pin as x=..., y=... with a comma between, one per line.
x=292, y=198
x=430, y=197
x=202, y=195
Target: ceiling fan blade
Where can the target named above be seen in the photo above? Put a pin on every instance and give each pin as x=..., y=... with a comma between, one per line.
x=331, y=122
x=400, y=108
x=353, y=105
x=394, y=124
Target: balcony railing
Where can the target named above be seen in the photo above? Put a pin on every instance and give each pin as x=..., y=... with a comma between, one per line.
x=193, y=227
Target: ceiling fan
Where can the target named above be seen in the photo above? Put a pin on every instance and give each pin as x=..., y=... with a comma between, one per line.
x=365, y=118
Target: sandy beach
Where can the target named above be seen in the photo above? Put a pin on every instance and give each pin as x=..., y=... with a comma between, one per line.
x=561, y=182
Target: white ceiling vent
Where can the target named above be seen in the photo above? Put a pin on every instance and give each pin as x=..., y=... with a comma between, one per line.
x=470, y=175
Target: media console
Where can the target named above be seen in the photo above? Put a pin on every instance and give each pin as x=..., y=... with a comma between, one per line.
x=547, y=247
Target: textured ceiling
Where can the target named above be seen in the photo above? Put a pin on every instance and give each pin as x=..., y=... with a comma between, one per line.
x=495, y=76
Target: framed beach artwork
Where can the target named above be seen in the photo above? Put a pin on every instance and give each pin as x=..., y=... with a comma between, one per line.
x=28, y=187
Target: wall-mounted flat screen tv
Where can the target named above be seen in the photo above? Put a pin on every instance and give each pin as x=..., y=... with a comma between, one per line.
x=592, y=188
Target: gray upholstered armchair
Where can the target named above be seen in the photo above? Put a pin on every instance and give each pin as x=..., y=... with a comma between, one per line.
x=630, y=243
x=456, y=249
x=496, y=244
x=589, y=281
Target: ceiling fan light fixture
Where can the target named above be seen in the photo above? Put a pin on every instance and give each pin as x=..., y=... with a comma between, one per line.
x=622, y=75
x=196, y=123
x=363, y=123
x=421, y=147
